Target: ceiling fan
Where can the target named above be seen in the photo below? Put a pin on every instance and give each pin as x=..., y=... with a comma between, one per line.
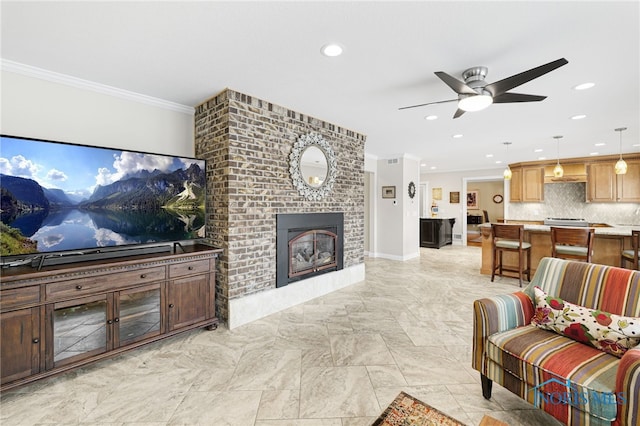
x=475, y=94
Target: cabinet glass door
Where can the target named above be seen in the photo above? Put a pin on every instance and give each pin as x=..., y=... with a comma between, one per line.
x=79, y=329
x=139, y=314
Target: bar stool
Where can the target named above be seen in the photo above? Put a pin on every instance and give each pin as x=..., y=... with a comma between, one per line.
x=509, y=238
x=632, y=255
x=572, y=243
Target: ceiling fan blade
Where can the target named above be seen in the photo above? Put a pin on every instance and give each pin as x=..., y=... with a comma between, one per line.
x=500, y=87
x=430, y=103
x=458, y=113
x=458, y=86
x=516, y=97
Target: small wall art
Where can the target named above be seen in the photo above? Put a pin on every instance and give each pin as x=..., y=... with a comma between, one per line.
x=472, y=199
x=436, y=193
x=454, y=197
x=388, y=192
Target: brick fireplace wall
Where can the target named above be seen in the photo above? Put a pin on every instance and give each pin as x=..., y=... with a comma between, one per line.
x=246, y=142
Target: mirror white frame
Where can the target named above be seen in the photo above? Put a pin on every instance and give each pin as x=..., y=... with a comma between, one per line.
x=308, y=191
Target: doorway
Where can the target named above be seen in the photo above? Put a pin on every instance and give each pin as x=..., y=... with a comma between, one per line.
x=484, y=204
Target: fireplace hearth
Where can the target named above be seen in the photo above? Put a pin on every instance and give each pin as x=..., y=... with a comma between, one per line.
x=308, y=244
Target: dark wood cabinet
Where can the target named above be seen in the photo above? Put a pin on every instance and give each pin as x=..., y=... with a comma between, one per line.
x=435, y=232
x=20, y=344
x=61, y=317
x=184, y=306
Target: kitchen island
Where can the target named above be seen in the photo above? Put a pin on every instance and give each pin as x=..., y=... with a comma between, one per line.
x=609, y=242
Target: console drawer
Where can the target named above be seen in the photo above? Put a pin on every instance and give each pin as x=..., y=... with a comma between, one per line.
x=188, y=268
x=18, y=297
x=103, y=283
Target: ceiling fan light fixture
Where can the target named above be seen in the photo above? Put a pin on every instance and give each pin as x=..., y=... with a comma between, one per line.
x=584, y=86
x=621, y=165
x=475, y=102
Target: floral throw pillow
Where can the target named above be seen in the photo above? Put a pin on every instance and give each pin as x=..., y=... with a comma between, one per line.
x=610, y=333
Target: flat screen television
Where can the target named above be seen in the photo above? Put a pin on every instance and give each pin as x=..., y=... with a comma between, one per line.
x=68, y=199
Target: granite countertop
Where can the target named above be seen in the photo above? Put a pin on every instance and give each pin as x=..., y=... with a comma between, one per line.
x=614, y=230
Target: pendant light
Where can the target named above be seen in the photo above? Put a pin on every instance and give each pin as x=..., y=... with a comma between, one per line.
x=621, y=165
x=507, y=172
x=558, y=171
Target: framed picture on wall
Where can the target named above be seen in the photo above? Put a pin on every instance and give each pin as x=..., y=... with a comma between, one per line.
x=388, y=192
x=472, y=199
x=454, y=197
x=436, y=193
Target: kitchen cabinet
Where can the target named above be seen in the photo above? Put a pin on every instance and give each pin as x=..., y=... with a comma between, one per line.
x=628, y=185
x=603, y=185
x=527, y=184
x=515, y=185
x=61, y=317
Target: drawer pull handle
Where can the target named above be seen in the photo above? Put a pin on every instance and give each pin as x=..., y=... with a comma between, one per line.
x=36, y=340
x=143, y=276
x=78, y=287
x=110, y=322
x=190, y=268
x=117, y=320
x=171, y=305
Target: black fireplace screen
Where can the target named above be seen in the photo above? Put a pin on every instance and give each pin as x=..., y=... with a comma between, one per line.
x=312, y=251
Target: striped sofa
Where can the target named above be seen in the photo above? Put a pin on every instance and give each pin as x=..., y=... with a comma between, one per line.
x=575, y=383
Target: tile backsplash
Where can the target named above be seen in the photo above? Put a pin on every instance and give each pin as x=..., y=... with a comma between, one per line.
x=568, y=200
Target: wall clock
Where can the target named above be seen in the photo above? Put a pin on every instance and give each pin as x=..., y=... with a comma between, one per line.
x=497, y=198
x=412, y=189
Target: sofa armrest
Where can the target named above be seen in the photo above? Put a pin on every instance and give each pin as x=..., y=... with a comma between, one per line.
x=628, y=386
x=495, y=314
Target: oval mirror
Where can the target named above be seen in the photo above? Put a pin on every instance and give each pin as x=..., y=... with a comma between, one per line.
x=313, y=166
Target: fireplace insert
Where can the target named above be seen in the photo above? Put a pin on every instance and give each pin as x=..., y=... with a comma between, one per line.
x=308, y=244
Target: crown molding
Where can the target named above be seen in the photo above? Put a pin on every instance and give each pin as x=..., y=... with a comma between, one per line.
x=55, y=77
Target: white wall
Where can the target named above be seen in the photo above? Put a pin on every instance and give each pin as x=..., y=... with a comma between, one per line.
x=397, y=230
x=38, y=108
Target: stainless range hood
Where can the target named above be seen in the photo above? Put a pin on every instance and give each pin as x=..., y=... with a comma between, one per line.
x=565, y=221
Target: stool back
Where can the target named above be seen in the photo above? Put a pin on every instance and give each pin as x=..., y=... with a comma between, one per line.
x=572, y=237
x=507, y=232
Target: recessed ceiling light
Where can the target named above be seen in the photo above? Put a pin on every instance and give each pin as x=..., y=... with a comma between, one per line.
x=431, y=117
x=498, y=161
x=636, y=144
x=332, y=49
x=457, y=136
x=584, y=86
x=578, y=117
x=423, y=165
x=594, y=153
x=489, y=155
x=538, y=150
x=433, y=167
x=542, y=158
x=600, y=144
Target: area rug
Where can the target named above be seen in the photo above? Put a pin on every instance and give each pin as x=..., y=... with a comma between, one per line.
x=406, y=410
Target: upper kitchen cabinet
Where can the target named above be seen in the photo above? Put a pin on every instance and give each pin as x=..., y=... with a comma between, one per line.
x=604, y=186
x=527, y=184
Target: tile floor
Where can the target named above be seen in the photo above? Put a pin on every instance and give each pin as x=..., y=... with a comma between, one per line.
x=338, y=360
